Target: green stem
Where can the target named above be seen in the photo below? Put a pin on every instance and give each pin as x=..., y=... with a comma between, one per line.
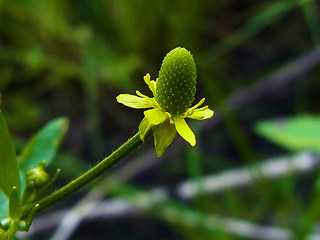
x=87, y=177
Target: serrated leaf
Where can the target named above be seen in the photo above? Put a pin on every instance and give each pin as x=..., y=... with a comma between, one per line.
x=44, y=145
x=296, y=133
x=9, y=176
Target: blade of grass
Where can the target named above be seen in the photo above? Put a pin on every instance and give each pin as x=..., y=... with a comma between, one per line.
x=310, y=215
x=261, y=20
x=312, y=17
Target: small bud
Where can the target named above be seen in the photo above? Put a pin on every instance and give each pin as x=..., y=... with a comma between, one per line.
x=176, y=85
x=37, y=177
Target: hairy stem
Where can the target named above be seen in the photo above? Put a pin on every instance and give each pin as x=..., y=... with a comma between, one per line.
x=87, y=177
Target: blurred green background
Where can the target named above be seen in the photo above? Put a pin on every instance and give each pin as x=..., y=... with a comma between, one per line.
x=256, y=61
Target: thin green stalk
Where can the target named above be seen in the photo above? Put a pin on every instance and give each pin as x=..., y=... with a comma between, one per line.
x=87, y=177
x=312, y=18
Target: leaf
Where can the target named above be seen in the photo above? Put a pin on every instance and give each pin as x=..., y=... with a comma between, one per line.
x=9, y=176
x=3, y=206
x=43, y=146
x=296, y=133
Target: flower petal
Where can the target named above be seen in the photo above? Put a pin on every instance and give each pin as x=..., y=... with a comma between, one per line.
x=164, y=134
x=155, y=116
x=184, y=131
x=134, y=101
x=201, y=113
x=144, y=128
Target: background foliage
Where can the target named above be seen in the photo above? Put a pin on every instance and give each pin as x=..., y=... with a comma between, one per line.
x=256, y=61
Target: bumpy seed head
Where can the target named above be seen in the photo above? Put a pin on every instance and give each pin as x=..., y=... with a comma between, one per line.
x=176, y=85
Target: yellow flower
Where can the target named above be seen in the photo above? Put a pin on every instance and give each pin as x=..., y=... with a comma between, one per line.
x=164, y=125
x=170, y=106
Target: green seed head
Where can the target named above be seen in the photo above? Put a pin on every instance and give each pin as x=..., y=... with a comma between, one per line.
x=176, y=85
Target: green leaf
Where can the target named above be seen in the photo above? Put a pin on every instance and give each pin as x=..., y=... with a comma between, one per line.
x=9, y=176
x=43, y=146
x=296, y=133
x=3, y=206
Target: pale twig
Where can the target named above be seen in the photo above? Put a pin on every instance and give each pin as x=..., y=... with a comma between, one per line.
x=269, y=169
x=119, y=208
